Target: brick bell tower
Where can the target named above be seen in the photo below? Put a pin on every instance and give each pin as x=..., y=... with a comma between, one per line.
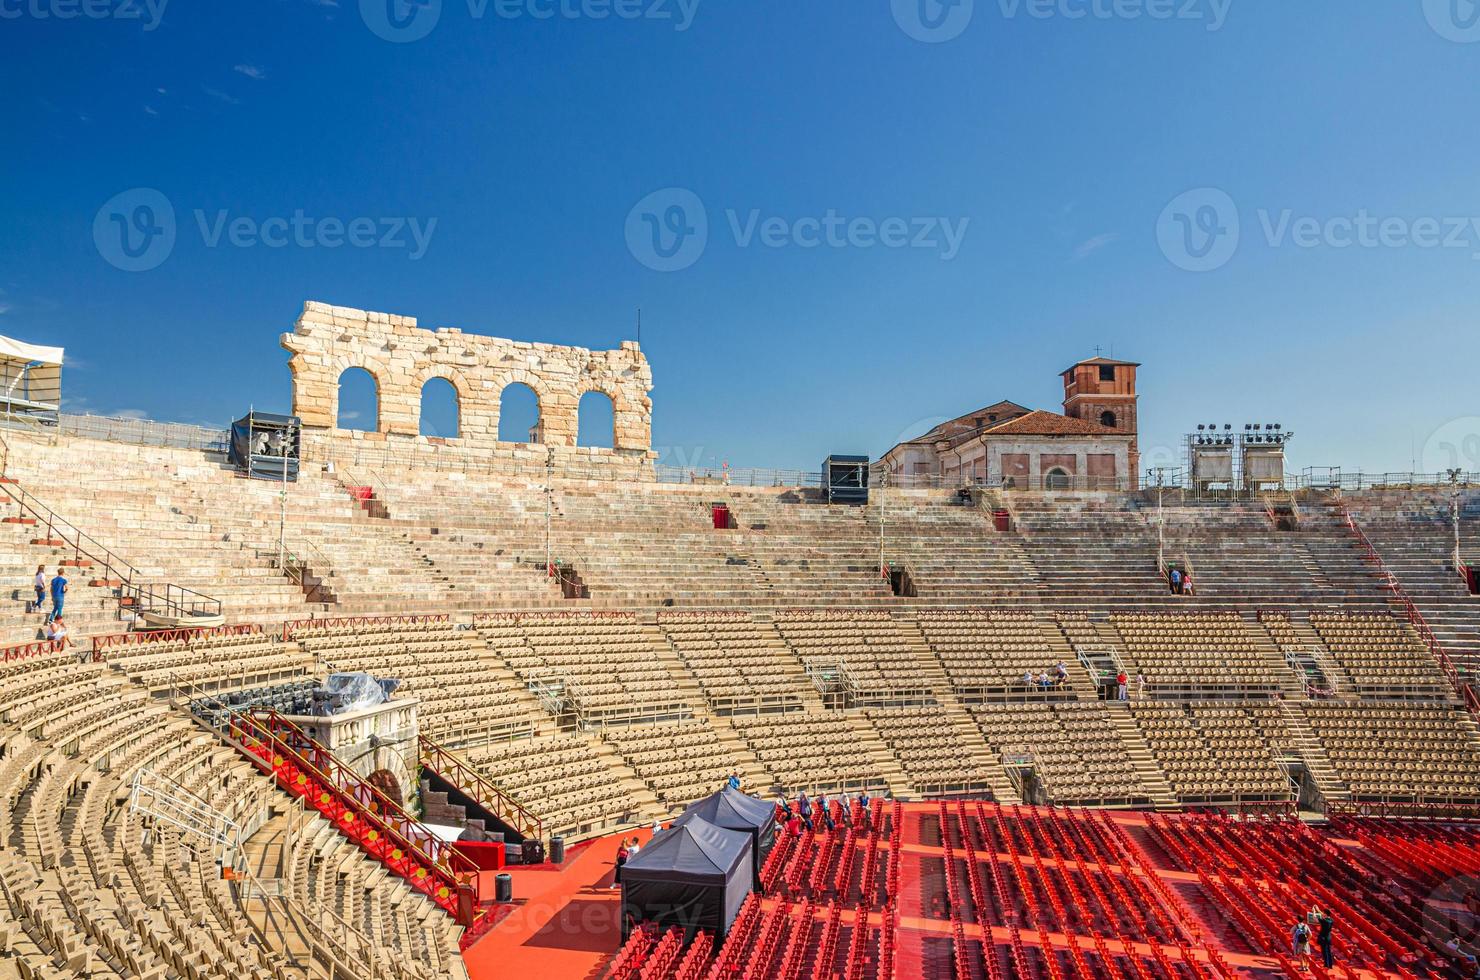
x=1103, y=391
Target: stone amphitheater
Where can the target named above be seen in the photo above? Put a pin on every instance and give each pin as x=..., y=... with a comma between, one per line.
x=594, y=650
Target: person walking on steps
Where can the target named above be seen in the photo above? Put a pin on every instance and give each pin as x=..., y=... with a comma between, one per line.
x=58, y=594
x=40, y=583
x=1120, y=687
x=1300, y=939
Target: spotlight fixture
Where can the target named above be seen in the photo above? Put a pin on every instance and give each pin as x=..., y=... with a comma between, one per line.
x=1200, y=427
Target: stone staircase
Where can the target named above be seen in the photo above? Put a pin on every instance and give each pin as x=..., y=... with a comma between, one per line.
x=983, y=759
x=1157, y=788
x=885, y=763
x=1309, y=749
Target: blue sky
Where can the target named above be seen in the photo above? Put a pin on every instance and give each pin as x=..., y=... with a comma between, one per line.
x=1050, y=181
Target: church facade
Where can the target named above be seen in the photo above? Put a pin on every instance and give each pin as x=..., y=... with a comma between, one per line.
x=1091, y=445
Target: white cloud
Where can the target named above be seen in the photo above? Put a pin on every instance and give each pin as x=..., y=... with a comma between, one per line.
x=151, y=110
x=349, y=416
x=5, y=307
x=216, y=93
x=1087, y=248
x=251, y=71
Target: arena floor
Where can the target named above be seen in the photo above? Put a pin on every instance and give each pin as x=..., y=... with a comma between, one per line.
x=564, y=923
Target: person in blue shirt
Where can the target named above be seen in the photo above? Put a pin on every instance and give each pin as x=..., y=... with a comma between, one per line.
x=734, y=781
x=58, y=595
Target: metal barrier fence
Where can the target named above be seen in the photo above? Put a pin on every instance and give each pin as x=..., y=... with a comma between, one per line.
x=145, y=432
x=454, y=458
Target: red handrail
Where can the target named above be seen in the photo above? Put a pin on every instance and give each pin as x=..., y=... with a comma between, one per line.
x=290, y=629
x=1415, y=618
x=143, y=638
x=429, y=856
x=24, y=651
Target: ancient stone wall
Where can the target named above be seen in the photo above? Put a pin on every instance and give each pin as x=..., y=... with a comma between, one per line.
x=402, y=357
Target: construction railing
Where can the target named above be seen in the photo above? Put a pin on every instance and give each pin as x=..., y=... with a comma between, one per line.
x=1390, y=581
x=431, y=865
x=466, y=778
x=146, y=432
x=133, y=590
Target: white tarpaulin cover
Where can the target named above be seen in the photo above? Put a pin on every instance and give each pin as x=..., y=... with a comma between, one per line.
x=16, y=350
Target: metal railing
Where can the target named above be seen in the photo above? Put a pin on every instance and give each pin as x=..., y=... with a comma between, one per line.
x=1463, y=691
x=174, y=600
x=146, y=432
x=284, y=740
x=474, y=784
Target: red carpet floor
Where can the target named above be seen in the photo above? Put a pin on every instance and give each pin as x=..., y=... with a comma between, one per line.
x=564, y=923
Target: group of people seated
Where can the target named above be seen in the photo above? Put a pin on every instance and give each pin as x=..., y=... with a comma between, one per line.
x=1047, y=680
x=792, y=820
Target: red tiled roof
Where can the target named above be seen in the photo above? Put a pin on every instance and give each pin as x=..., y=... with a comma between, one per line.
x=1051, y=424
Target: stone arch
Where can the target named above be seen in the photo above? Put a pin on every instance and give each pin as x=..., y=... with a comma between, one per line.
x=1057, y=479
x=1107, y=419
x=596, y=420
x=525, y=432
x=631, y=419
x=436, y=391
x=377, y=395
x=386, y=781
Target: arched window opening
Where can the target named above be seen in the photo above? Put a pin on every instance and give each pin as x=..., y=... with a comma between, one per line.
x=359, y=401
x=596, y=421
x=1056, y=479
x=440, y=411
x=519, y=415
x=1107, y=419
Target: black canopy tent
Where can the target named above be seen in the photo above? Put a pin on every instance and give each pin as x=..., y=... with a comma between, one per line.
x=694, y=876
x=734, y=810
x=264, y=445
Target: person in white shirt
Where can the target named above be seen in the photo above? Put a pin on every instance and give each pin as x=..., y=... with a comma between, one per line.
x=40, y=590
x=56, y=630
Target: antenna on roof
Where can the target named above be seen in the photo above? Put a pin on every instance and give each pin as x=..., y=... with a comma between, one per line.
x=639, y=326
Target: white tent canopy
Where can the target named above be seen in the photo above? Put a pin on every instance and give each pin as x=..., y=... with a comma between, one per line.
x=15, y=350
x=30, y=381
